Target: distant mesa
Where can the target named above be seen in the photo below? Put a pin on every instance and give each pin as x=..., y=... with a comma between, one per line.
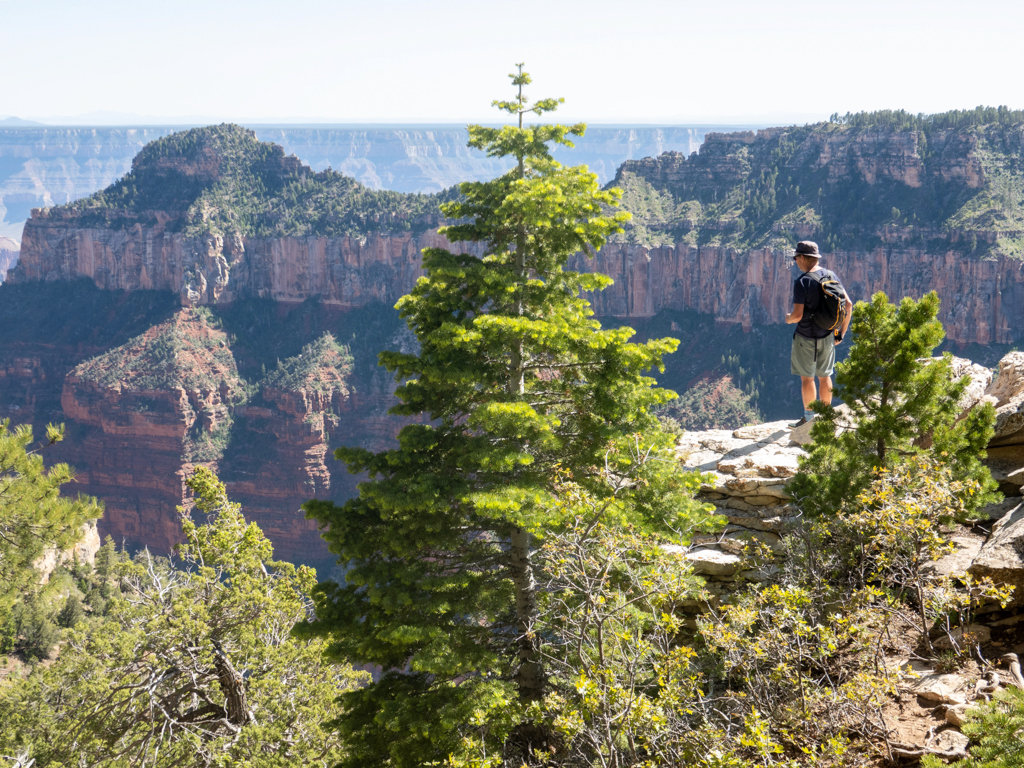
x=17, y=122
x=222, y=179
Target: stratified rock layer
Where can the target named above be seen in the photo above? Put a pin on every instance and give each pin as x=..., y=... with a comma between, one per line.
x=983, y=300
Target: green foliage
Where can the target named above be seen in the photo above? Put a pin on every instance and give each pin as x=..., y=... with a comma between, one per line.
x=902, y=403
x=188, y=351
x=658, y=218
x=997, y=730
x=72, y=612
x=221, y=179
x=194, y=665
x=516, y=383
x=321, y=366
x=773, y=189
x=796, y=666
x=900, y=120
x=34, y=628
x=34, y=517
x=618, y=675
x=711, y=404
x=885, y=536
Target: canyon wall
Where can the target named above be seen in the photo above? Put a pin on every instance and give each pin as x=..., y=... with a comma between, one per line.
x=982, y=299
x=141, y=415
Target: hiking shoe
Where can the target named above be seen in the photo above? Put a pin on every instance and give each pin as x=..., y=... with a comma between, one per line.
x=799, y=423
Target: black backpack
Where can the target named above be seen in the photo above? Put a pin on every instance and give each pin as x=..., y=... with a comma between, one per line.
x=832, y=304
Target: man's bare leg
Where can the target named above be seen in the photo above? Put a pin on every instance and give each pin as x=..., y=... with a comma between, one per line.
x=825, y=387
x=808, y=391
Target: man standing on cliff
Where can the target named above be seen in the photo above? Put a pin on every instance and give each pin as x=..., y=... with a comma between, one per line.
x=814, y=353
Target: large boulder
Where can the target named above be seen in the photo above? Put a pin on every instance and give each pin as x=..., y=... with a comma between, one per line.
x=1006, y=393
x=1002, y=556
x=980, y=381
x=940, y=688
x=1006, y=463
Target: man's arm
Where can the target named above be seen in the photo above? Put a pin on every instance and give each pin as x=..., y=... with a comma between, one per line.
x=797, y=314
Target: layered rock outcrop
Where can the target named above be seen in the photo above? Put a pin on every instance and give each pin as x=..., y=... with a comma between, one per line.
x=82, y=551
x=344, y=271
x=143, y=410
x=982, y=300
x=747, y=471
x=145, y=414
x=1007, y=395
x=713, y=270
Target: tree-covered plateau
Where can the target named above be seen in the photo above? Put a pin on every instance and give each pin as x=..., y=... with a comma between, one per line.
x=222, y=180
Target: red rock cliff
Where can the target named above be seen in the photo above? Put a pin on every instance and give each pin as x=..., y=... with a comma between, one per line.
x=982, y=299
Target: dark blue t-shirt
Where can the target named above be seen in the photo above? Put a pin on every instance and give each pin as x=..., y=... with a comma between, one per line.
x=807, y=292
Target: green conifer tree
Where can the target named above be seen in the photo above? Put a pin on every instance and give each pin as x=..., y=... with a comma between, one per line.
x=997, y=727
x=902, y=403
x=34, y=517
x=71, y=613
x=514, y=385
x=194, y=665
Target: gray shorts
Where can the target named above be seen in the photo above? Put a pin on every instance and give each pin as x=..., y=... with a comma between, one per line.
x=813, y=357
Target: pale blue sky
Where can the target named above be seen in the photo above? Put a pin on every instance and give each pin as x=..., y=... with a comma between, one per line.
x=628, y=61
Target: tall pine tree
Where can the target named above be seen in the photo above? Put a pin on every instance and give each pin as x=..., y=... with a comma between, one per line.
x=516, y=386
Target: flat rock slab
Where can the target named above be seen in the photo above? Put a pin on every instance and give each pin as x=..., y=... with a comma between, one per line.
x=713, y=562
x=1002, y=556
x=950, y=740
x=736, y=539
x=773, y=431
x=956, y=714
x=745, y=485
x=802, y=435
x=701, y=461
x=980, y=380
x=943, y=689
x=755, y=522
x=1006, y=463
x=766, y=462
x=716, y=483
x=999, y=509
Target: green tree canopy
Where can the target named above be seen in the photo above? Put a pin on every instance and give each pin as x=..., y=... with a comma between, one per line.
x=193, y=665
x=34, y=517
x=902, y=403
x=514, y=385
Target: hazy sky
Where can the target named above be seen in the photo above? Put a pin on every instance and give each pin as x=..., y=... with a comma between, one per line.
x=400, y=61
